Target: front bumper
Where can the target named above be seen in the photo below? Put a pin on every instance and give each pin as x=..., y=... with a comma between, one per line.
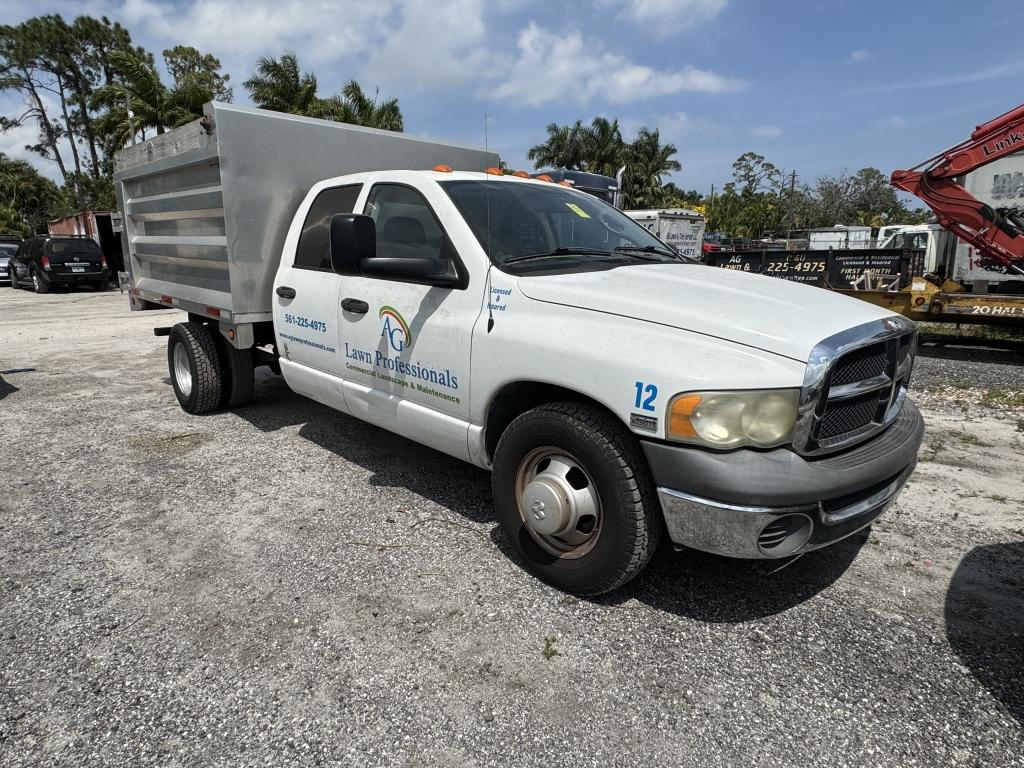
x=768, y=504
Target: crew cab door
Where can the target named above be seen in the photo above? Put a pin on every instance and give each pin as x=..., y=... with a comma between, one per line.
x=406, y=345
x=306, y=301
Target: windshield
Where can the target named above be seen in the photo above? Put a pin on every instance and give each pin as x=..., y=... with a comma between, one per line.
x=550, y=221
x=8, y=249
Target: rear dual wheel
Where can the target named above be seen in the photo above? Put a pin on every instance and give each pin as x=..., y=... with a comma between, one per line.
x=207, y=372
x=574, y=496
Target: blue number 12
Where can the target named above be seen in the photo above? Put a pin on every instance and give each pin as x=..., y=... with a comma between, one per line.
x=648, y=402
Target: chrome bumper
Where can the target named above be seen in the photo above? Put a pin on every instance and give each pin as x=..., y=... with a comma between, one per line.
x=771, y=532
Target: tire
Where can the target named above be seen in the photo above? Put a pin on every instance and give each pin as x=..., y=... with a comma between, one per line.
x=100, y=286
x=191, y=350
x=39, y=284
x=237, y=373
x=610, y=469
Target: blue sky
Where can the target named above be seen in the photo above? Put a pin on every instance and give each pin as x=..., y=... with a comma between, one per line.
x=818, y=87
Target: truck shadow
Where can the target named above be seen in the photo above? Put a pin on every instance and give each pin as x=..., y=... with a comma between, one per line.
x=6, y=388
x=721, y=590
x=688, y=583
x=394, y=461
x=985, y=620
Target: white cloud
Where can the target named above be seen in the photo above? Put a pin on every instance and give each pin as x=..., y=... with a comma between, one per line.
x=662, y=17
x=861, y=54
x=239, y=31
x=893, y=122
x=766, y=131
x=436, y=44
x=549, y=68
x=13, y=143
x=1008, y=69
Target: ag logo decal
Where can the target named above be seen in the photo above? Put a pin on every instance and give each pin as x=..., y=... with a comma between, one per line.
x=395, y=328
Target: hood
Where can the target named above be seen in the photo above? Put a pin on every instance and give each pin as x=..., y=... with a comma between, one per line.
x=774, y=315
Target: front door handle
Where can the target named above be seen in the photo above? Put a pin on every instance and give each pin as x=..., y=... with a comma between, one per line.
x=285, y=292
x=358, y=306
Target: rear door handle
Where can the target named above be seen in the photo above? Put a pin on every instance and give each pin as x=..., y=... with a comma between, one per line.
x=285, y=292
x=358, y=306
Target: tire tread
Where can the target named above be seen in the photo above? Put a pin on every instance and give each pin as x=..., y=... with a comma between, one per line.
x=206, y=378
x=621, y=447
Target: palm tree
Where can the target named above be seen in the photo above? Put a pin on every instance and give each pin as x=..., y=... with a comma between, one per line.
x=362, y=110
x=647, y=160
x=152, y=104
x=603, y=146
x=280, y=86
x=564, y=148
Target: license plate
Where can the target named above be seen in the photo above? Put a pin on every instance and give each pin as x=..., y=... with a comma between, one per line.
x=78, y=269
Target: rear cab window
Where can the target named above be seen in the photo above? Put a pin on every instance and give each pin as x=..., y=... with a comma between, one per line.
x=314, y=248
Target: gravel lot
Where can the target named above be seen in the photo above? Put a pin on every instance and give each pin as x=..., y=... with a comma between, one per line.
x=283, y=584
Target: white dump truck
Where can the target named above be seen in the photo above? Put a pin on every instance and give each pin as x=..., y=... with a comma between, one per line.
x=616, y=391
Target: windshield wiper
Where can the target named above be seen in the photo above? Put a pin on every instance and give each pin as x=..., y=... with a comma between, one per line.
x=648, y=249
x=557, y=252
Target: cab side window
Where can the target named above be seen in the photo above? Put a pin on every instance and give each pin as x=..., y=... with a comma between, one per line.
x=406, y=225
x=314, y=248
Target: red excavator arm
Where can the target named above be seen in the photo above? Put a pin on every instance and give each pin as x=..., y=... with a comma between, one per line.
x=997, y=234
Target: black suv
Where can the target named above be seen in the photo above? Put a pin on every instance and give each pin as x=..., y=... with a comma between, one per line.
x=45, y=261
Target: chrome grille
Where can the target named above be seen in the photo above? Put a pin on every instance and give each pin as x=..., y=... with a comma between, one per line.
x=855, y=385
x=859, y=365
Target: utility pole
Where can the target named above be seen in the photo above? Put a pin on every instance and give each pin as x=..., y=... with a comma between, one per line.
x=789, y=208
x=711, y=205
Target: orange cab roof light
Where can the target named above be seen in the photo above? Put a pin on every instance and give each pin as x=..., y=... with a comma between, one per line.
x=494, y=171
x=565, y=183
x=521, y=174
x=442, y=168
x=543, y=177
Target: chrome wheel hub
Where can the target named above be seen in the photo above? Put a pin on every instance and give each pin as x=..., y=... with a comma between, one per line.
x=182, y=371
x=558, y=502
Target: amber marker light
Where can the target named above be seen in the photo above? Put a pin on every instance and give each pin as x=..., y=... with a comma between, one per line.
x=680, y=410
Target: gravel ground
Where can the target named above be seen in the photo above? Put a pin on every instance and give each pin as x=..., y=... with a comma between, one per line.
x=285, y=585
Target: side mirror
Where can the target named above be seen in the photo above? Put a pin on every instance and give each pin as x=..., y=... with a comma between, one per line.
x=423, y=270
x=353, y=239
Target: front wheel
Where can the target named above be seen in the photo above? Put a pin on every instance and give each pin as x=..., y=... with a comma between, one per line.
x=195, y=367
x=574, y=496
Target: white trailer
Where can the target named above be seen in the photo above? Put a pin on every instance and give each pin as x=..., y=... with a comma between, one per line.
x=839, y=237
x=681, y=228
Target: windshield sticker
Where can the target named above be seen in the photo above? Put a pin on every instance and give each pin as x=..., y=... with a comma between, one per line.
x=577, y=210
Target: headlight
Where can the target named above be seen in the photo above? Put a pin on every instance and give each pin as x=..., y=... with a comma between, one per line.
x=763, y=418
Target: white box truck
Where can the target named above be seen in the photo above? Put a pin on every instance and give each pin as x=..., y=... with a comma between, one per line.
x=839, y=237
x=681, y=228
x=616, y=391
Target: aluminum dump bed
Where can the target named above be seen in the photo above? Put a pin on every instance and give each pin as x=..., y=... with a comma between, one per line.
x=206, y=207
